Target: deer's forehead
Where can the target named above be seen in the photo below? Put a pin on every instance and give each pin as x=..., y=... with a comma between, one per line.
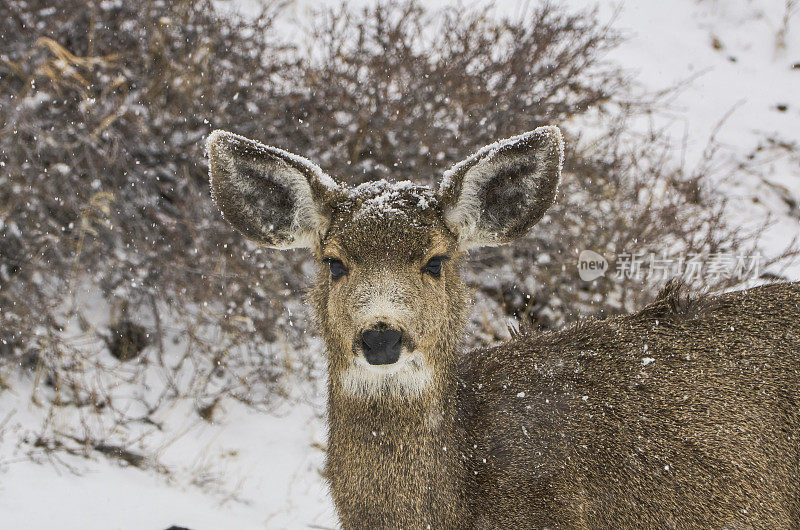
x=380, y=221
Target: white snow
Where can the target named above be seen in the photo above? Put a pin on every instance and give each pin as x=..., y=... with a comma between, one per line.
x=730, y=93
x=248, y=470
x=382, y=199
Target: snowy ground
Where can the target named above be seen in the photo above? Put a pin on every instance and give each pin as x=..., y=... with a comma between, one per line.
x=249, y=470
x=738, y=62
x=259, y=470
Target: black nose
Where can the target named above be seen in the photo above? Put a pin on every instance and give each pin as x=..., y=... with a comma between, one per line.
x=381, y=346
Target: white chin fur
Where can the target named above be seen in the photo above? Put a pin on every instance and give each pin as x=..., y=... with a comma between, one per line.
x=410, y=377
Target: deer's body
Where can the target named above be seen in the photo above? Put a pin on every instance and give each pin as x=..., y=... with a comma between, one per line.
x=683, y=415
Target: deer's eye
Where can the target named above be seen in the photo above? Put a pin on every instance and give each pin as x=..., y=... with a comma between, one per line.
x=337, y=268
x=434, y=266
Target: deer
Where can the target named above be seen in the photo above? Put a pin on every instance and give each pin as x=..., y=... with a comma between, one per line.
x=685, y=414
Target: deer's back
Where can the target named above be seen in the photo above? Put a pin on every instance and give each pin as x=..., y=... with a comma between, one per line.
x=682, y=415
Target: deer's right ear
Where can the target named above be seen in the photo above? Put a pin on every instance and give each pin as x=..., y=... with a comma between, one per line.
x=269, y=195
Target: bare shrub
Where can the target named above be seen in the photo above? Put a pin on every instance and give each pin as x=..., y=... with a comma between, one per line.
x=103, y=109
x=399, y=93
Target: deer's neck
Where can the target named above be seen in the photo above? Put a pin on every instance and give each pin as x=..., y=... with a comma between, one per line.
x=395, y=464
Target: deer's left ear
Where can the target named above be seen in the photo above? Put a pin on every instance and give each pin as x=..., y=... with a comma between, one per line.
x=500, y=192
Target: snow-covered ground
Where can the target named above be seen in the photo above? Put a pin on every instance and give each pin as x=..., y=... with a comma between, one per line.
x=247, y=470
x=262, y=470
x=738, y=66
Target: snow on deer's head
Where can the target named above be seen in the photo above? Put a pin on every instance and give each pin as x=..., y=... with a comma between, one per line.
x=388, y=296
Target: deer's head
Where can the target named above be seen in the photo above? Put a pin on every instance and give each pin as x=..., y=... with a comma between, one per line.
x=388, y=295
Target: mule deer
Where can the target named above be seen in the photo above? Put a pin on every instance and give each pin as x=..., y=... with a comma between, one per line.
x=683, y=415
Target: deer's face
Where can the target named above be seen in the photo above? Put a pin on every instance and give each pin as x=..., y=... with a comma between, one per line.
x=388, y=296
x=386, y=291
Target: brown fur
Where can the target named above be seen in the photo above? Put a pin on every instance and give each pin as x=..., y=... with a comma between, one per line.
x=683, y=415
x=702, y=436
x=387, y=463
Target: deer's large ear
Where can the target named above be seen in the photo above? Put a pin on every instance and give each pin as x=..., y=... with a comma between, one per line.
x=271, y=196
x=500, y=192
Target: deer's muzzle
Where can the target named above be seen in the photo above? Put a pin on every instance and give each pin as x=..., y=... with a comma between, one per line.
x=381, y=346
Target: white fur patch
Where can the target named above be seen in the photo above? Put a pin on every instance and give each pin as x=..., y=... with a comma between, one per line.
x=409, y=377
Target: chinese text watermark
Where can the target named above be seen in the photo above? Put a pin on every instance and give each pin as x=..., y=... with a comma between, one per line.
x=658, y=268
